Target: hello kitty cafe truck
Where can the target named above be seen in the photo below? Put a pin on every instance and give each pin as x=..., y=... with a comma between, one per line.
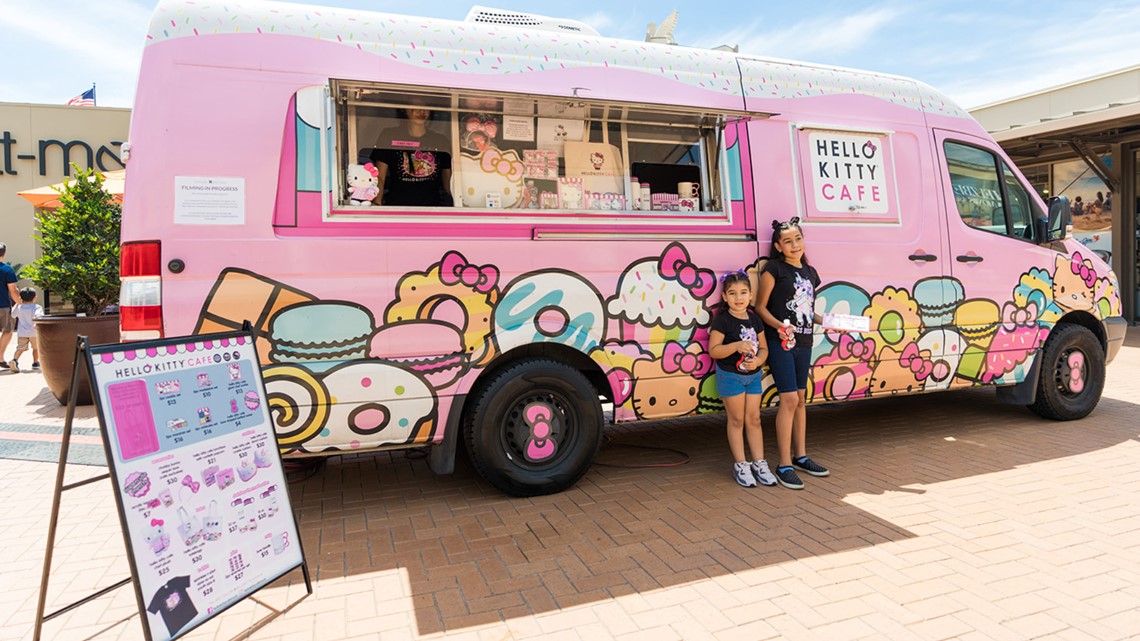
x=600, y=187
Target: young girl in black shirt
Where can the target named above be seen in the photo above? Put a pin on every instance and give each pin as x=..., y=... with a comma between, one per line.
x=786, y=303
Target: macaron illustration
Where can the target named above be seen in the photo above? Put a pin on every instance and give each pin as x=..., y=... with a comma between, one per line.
x=977, y=320
x=431, y=349
x=320, y=335
x=937, y=298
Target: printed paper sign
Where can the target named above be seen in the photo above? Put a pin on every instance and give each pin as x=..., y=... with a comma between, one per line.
x=209, y=201
x=847, y=172
x=519, y=128
x=197, y=473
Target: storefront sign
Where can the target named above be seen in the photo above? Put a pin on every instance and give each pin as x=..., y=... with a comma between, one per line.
x=14, y=154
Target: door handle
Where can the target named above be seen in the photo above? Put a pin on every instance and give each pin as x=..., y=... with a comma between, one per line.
x=924, y=258
x=970, y=259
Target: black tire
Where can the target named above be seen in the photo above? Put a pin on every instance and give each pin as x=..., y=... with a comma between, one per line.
x=1072, y=374
x=517, y=405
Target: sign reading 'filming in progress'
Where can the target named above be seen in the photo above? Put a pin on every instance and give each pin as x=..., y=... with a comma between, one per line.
x=197, y=473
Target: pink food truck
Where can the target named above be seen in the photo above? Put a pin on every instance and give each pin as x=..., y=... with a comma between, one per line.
x=452, y=229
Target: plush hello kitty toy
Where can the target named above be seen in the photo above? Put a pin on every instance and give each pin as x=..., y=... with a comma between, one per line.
x=362, y=184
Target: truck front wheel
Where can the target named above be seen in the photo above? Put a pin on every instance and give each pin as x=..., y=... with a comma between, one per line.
x=1072, y=374
x=534, y=428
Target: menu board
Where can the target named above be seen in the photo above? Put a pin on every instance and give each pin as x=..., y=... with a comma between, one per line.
x=198, y=477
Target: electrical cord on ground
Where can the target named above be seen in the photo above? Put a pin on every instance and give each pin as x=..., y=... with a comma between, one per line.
x=607, y=440
x=299, y=470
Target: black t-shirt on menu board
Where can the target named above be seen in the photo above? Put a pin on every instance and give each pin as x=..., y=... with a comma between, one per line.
x=173, y=604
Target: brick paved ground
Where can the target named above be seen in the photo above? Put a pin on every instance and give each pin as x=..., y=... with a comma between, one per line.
x=947, y=516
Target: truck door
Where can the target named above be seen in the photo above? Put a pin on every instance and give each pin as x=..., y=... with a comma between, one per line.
x=990, y=214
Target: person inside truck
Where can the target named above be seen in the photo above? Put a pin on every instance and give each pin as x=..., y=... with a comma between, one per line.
x=414, y=163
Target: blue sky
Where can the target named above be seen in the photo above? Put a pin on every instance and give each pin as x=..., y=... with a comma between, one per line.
x=975, y=51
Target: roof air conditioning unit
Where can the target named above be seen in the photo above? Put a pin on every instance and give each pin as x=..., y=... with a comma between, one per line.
x=487, y=15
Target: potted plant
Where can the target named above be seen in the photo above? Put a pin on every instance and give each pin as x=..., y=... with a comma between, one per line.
x=79, y=263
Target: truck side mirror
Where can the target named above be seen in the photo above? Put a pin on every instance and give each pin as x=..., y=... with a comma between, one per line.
x=1060, y=219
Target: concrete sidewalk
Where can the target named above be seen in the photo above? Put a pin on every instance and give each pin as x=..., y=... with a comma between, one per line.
x=946, y=516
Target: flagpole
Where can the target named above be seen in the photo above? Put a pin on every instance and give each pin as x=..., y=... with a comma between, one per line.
x=94, y=99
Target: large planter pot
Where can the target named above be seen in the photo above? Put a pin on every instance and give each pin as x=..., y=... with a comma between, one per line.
x=56, y=336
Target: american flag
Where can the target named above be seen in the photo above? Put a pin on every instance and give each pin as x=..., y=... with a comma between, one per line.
x=85, y=99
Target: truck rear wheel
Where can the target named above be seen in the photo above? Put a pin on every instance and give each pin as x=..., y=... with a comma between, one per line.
x=1072, y=374
x=534, y=428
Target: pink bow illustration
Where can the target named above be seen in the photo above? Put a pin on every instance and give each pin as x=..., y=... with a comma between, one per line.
x=370, y=168
x=488, y=127
x=1084, y=269
x=156, y=522
x=455, y=269
x=677, y=359
x=851, y=348
x=1013, y=316
x=675, y=265
x=918, y=364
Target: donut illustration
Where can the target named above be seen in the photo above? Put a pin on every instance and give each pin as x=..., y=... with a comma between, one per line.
x=549, y=307
x=375, y=403
x=455, y=292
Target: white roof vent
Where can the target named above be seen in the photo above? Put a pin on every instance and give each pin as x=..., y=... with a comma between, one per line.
x=487, y=15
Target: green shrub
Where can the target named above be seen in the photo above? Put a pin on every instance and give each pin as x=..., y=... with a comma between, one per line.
x=80, y=241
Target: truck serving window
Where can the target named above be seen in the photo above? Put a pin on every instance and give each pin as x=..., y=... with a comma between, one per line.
x=423, y=148
x=988, y=194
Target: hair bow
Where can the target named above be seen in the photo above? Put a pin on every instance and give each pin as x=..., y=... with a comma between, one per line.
x=489, y=127
x=918, y=364
x=678, y=359
x=739, y=272
x=675, y=265
x=455, y=269
x=1084, y=269
x=860, y=349
x=794, y=221
x=156, y=522
x=1013, y=316
x=370, y=168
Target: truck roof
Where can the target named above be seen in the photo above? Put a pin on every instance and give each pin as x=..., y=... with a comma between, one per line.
x=488, y=49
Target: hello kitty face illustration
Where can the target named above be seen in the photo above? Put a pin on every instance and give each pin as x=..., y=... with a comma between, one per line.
x=668, y=386
x=597, y=160
x=423, y=164
x=893, y=375
x=1073, y=283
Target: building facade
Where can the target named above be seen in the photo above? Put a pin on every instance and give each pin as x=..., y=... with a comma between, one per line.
x=1082, y=140
x=38, y=144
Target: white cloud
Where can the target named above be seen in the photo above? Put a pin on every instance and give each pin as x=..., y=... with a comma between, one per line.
x=822, y=36
x=93, y=31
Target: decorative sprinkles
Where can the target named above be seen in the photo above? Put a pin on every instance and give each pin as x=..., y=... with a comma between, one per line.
x=760, y=79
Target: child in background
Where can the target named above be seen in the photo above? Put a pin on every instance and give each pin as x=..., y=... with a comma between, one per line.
x=735, y=344
x=26, y=313
x=786, y=303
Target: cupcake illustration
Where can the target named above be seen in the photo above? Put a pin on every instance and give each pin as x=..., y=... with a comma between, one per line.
x=662, y=299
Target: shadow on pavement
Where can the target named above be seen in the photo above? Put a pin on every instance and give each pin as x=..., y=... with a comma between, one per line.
x=473, y=556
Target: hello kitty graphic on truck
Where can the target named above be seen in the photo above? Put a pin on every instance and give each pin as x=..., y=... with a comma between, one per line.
x=546, y=286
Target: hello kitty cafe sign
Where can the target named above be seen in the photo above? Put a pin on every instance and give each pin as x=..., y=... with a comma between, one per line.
x=847, y=175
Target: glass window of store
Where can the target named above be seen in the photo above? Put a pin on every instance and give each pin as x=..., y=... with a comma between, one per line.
x=436, y=148
x=1090, y=203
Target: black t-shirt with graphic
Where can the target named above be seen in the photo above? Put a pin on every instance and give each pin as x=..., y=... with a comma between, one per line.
x=173, y=603
x=792, y=299
x=415, y=167
x=737, y=329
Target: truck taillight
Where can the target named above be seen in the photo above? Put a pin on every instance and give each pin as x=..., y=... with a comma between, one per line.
x=140, y=291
